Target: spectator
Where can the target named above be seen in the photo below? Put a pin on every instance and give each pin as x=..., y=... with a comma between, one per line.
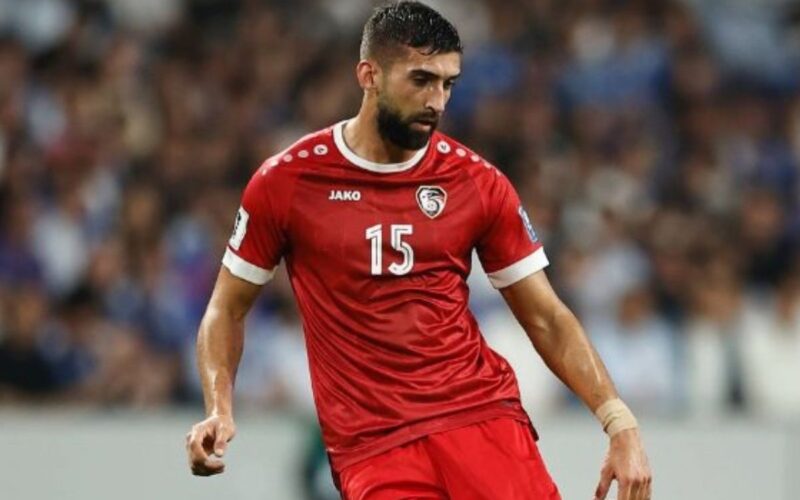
x=24, y=370
x=713, y=326
x=641, y=351
x=769, y=348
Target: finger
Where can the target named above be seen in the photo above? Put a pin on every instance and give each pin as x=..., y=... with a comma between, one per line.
x=641, y=486
x=214, y=464
x=624, y=490
x=197, y=454
x=224, y=435
x=648, y=488
x=636, y=489
x=605, y=483
x=208, y=468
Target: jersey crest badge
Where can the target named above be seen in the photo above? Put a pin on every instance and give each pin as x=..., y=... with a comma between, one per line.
x=431, y=200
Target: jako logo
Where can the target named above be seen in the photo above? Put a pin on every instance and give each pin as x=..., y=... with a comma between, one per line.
x=343, y=195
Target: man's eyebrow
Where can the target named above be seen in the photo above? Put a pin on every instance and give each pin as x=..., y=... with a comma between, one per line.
x=430, y=74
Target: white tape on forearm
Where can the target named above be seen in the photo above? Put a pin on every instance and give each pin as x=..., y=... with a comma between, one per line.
x=615, y=416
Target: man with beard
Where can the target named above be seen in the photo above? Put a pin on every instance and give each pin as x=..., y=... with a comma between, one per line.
x=376, y=218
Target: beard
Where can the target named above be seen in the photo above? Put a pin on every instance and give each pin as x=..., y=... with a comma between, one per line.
x=397, y=130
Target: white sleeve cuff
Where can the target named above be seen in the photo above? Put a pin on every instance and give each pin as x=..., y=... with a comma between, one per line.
x=245, y=270
x=520, y=269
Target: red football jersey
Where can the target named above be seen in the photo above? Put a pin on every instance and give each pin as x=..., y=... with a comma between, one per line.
x=378, y=256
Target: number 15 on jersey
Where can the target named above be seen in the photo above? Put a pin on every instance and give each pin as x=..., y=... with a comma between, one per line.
x=375, y=236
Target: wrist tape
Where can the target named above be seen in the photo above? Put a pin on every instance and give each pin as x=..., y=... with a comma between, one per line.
x=615, y=416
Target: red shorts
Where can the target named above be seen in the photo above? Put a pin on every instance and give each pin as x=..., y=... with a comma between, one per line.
x=494, y=459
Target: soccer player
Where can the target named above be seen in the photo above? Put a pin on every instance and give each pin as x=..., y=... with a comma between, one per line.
x=376, y=219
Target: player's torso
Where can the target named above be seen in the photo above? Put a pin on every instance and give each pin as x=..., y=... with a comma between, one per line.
x=360, y=230
x=382, y=256
x=378, y=262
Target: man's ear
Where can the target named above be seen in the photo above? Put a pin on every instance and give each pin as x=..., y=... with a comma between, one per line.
x=367, y=72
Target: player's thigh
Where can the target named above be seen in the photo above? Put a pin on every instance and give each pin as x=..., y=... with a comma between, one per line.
x=493, y=459
x=404, y=472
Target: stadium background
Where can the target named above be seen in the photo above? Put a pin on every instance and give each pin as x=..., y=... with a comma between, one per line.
x=656, y=145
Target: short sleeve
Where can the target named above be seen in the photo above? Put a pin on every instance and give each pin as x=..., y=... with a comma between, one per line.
x=259, y=233
x=509, y=248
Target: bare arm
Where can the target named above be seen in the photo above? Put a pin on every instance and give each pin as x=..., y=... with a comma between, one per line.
x=560, y=340
x=219, y=349
x=220, y=340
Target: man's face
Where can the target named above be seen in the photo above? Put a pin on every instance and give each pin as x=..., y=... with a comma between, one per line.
x=413, y=91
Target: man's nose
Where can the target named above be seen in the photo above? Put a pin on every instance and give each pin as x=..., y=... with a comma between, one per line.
x=436, y=100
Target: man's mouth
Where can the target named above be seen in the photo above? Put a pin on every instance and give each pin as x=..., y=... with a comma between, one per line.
x=429, y=123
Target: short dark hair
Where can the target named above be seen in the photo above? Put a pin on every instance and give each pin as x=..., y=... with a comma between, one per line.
x=407, y=23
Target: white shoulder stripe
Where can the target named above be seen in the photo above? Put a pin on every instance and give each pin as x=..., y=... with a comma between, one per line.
x=520, y=269
x=245, y=270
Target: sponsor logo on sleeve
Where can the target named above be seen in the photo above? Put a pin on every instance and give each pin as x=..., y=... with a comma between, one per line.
x=239, y=229
x=431, y=200
x=526, y=221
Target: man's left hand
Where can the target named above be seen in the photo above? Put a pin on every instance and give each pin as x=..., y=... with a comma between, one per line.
x=626, y=462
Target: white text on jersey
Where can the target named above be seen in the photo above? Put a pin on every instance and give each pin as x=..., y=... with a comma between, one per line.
x=344, y=195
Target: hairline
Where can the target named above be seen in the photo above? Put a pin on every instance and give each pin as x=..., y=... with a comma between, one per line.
x=386, y=56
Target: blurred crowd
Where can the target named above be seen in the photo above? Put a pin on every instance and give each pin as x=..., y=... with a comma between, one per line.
x=655, y=143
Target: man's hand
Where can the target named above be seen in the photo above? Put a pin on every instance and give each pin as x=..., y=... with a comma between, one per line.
x=206, y=444
x=627, y=463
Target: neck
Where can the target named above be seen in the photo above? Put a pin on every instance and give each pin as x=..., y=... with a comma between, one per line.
x=362, y=137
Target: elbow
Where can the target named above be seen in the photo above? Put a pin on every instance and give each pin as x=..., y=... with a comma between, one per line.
x=218, y=322
x=547, y=320
x=225, y=314
x=549, y=329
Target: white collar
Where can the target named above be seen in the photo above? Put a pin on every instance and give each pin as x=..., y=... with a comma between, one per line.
x=383, y=168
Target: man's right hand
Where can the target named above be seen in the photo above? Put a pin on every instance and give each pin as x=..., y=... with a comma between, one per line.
x=206, y=444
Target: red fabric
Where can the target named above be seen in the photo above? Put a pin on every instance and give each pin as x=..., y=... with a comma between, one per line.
x=392, y=357
x=494, y=459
